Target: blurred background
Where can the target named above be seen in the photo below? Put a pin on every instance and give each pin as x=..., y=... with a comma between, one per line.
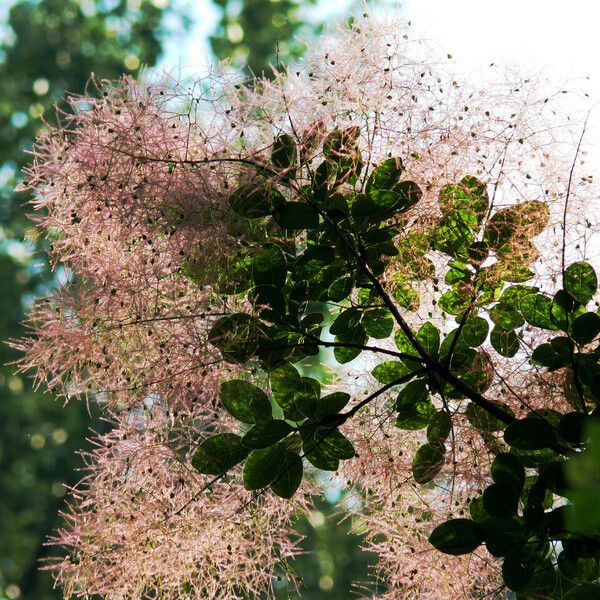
x=49, y=47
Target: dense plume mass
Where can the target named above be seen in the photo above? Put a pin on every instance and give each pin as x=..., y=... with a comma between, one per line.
x=132, y=190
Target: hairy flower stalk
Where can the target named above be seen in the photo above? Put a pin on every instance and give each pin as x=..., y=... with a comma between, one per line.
x=204, y=228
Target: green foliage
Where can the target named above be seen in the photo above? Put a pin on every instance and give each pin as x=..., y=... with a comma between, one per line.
x=219, y=453
x=456, y=536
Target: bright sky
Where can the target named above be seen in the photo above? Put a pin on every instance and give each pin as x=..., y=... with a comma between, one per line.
x=558, y=38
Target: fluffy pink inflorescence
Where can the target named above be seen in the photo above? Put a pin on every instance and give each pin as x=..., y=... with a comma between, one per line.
x=144, y=523
x=132, y=191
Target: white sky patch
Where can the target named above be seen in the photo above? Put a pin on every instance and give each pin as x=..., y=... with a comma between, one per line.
x=551, y=38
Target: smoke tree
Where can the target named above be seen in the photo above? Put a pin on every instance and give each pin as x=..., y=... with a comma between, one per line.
x=364, y=267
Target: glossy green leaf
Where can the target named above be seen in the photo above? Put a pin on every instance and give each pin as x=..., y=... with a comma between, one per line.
x=501, y=500
x=296, y=395
x=505, y=316
x=586, y=328
x=535, y=308
x=546, y=356
x=439, y=427
x=296, y=215
x=456, y=537
x=466, y=201
x=385, y=176
x=391, y=370
x=219, y=453
x=332, y=404
x=284, y=153
x=237, y=336
x=269, y=266
x=501, y=535
x=508, y=469
x=506, y=343
x=531, y=433
x=267, y=433
x=454, y=302
x=246, y=402
x=428, y=461
x=289, y=475
x=580, y=281
x=340, y=289
x=254, y=201
x=262, y=466
x=355, y=336
x=347, y=320
x=331, y=442
x=428, y=336
x=475, y=331
x=482, y=420
x=378, y=323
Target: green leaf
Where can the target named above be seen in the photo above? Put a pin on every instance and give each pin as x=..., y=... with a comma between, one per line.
x=501, y=500
x=526, y=219
x=332, y=404
x=266, y=433
x=404, y=344
x=268, y=301
x=456, y=537
x=246, y=402
x=296, y=395
x=475, y=331
x=428, y=336
x=284, y=153
x=237, y=336
x=385, y=176
x=347, y=320
x=391, y=370
x=454, y=302
x=506, y=343
x=586, y=328
x=515, y=573
x=262, y=466
x=546, y=356
x=428, y=461
x=219, y=453
x=582, y=569
x=580, y=281
x=289, y=476
x=531, y=433
x=501, y=535
x=507, y=469
x=440, y=425
x=482, y=420
x=505, y=316
x=269, y=266
x=340, y=289
x=466, y=201
x=355, y=336
x=378, y=323
x=535, y=308
x=572, y=426
x=318, y=458
x=296, y=215
x=254, y=201
x=331, y=442
x=411, y=394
